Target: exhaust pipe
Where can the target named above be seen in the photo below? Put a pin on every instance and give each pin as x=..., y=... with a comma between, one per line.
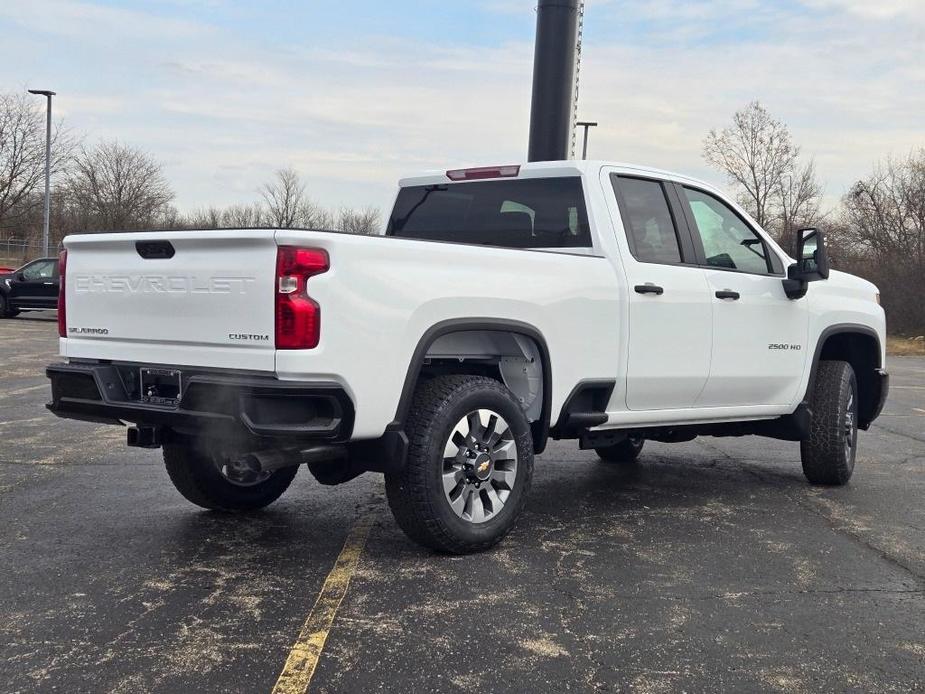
x=273, y=460
x=554, y=65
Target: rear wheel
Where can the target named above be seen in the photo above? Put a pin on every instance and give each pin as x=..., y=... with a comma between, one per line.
x=6, y=311
x=829, y=453
x=211, y=480
x=627, y=451
x=469, y=465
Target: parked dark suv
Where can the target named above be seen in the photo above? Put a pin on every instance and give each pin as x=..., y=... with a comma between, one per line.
x=34, y=286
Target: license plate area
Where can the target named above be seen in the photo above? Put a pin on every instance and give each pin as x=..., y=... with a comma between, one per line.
x=161, y=386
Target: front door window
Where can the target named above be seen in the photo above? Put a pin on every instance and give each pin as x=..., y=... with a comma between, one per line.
x=728, y=242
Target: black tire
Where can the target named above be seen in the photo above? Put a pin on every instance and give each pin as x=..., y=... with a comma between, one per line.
x=416, y=495
x=200, y=481
x=5, y=310
x=627, y=451
x=829, y=453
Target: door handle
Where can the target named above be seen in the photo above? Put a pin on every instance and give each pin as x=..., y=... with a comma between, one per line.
x=728, y=294
x=649, y=289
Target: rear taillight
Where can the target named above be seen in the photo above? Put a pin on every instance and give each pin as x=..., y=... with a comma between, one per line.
x=298, y=317
x=62, y=305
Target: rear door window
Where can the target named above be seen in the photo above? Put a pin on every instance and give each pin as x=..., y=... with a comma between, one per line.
x=523, y=213
x=650, y=227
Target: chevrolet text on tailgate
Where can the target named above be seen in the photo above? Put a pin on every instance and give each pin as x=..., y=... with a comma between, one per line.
x=502, y=306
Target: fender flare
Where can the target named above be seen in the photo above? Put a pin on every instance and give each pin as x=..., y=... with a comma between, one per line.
x=454, y=325
x=838, y=328
x=879, y=394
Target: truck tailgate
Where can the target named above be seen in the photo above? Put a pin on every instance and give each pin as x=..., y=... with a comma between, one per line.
x=195, y=298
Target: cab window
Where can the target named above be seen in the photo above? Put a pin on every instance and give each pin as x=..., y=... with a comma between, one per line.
x=647, y=218
x=728, y=242
x=525, y=213
x=42, y=270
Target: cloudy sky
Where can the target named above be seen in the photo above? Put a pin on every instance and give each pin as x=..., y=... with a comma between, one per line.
x=355, y=93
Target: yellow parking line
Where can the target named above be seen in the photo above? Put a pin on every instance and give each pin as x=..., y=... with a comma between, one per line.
x=306, y=651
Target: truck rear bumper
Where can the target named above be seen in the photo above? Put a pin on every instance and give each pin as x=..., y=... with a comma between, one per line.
x=216, y=403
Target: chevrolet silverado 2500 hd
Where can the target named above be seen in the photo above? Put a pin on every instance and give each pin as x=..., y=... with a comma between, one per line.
x=501, y=306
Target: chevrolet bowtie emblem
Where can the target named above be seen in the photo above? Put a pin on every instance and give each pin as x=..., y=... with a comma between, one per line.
x=484, y=466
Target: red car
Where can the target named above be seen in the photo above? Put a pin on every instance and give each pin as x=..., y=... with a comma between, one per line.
x=5, y=270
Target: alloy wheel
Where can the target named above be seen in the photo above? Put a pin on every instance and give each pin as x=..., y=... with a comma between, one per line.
x=479, y=466
x=850, y=425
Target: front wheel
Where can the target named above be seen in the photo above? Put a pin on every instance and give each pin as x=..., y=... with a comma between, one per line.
x=213, y=481
x=828, y=454
x=469, y=465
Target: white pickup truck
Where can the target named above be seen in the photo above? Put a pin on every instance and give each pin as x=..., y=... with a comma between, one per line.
x=501, y=307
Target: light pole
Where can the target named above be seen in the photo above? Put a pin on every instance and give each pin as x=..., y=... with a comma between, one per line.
x=47, y=94
x=587, y=125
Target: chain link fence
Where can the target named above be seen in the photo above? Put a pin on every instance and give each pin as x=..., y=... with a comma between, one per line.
x=15, y=252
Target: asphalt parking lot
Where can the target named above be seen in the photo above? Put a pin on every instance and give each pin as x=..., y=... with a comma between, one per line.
x=709, y=566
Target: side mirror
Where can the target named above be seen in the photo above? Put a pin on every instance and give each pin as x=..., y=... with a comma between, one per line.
x=812, y=263
x=812, y=255
x=21, y=277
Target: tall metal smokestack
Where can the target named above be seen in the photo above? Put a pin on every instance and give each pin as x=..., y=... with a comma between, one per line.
x=553, y=79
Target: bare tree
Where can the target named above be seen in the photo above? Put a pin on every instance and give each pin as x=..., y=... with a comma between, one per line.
x=207, y=218
x=365, y=221
x=243, y=217
x=754, y=152
x=284, y=198
x=322, y=219
x=117, y=187
x=233, y=217
x=798, y=201
x=288, y=205
x=22, y=156
x=882, y=237
x=885, y=213
x=170, y=218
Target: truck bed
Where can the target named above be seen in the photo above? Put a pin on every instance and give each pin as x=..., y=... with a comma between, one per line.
x=211, y=304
